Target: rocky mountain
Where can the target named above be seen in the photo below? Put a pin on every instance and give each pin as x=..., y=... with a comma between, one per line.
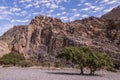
x=44, y=37
x=114, y=14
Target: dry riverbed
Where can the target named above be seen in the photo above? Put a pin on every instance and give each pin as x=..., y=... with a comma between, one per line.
x=15, y=73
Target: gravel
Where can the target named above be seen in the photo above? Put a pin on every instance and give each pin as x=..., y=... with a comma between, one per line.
x=16, y=73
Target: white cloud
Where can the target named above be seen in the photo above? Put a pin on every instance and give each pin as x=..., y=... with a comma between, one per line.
x=87, y=4
x=57, y=1
x=15, y=9
x=85, y=9
x=5, y=17
x=107, y=10
x=58, y=14
x=1, y=18
x=111, y=2
x=48, y=4
x=49, y=15
x=90, y=5
x=15, y=4
x=28, y=0
x=23, y=13
x=20, y=21
x=74, y=9
x=5, y=27
x=37, y=6
x=23, y=1
x=6, y=12
x=64, y=13
x=50, y=11
x=44, y=1
x=98, y=8
x=36, y=13
x=29, y=15
x=84, y=16
x=62, y=8
x=104, y=1
x=79, y=4
x=54, y=6
x=64, y=18
x=28, y=6
x=72, y=18
x=82, y=1
x=76, y=15
x=3, y=7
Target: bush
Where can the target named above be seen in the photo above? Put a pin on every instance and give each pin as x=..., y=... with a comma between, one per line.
x=25, y=63
x=111, y=69
x=12, y=58
x=58, y=64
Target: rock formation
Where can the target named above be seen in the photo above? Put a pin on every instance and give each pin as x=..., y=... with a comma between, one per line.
x=44, y=37
x=3, y=48
x=114, y=14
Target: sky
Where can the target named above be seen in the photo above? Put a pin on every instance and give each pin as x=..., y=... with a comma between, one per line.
x=20, y=12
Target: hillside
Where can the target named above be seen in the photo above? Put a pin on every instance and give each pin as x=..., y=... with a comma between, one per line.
x=114, y=14
x=44, y=37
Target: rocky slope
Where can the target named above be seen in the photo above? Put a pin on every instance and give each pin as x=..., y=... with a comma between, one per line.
x=3, y=48
x=44, y=37
x=113, y=14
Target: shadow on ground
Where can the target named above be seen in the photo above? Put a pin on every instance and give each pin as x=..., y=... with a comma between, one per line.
x=66, y=73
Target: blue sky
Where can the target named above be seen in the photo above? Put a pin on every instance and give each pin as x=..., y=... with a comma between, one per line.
x=20, y=12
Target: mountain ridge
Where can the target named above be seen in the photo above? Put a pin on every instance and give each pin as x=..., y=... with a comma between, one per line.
x=44, y=37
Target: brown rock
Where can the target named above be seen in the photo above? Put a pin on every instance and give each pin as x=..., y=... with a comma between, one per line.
x=44, y=37
x=3, y=48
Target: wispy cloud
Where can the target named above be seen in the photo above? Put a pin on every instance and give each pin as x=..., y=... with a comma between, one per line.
x=15, y=9
x=29, y=6
x=20, y=21
x=84, y=16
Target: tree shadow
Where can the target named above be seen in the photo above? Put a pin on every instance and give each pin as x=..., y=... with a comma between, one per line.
x=67, y=73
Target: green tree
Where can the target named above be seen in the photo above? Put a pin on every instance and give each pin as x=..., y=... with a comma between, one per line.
x=75, y=55
x=97, y=60
x=86, y=57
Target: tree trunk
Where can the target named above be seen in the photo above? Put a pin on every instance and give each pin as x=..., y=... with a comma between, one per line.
x=92, y=71
x=81, y=69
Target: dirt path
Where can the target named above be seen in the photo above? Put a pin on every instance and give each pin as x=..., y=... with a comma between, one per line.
x=40, y=74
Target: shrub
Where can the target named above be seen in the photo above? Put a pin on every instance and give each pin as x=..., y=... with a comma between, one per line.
x=111, y=69
x=58, y=64
x=25, y=63
x=11, y=58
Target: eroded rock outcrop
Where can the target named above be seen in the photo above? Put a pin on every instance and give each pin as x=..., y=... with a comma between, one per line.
x=44, y=37
x=3, y=48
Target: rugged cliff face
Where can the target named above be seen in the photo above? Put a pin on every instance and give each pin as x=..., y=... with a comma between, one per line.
x=3, y=48
x=44, y=37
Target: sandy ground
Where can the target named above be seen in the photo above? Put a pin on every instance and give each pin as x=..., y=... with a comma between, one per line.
x=15, y=73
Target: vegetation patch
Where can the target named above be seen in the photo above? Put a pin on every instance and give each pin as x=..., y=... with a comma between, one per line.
x=85, y=57
x=14, y=59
